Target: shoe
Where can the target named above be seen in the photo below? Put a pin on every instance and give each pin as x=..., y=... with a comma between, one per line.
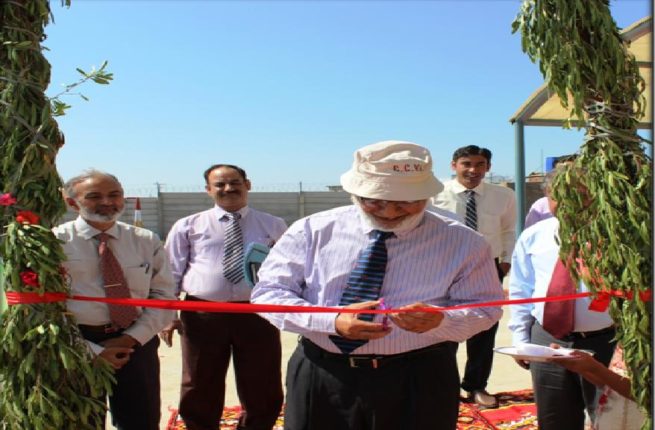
x=482, y=398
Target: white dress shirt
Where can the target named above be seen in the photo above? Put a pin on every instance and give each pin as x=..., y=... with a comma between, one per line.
x=440, y=262
x=195, y=245
x=145, y=267
x=496, y=210
x=534, y=259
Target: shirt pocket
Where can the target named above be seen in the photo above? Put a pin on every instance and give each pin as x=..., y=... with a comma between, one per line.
x=84, y=273
x=138, y=280
x=264, y=239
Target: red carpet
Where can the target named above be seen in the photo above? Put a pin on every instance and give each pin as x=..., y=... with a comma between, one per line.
x=516, y=411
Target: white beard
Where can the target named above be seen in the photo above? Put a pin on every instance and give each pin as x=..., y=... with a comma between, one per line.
x=403, y=226
x=98, y=217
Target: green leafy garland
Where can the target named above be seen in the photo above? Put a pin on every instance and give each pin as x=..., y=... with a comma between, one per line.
x=604, y=199
x=48, y=376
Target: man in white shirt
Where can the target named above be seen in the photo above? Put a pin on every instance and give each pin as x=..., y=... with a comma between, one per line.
x=561, y=395
x=491, y=210
x=130, y=346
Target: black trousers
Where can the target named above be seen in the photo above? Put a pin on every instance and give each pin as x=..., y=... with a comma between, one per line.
x=208, y=342
x=479, y=359
x=418, y=390
x=562, y=396
x=480, y=354
x=135, y=402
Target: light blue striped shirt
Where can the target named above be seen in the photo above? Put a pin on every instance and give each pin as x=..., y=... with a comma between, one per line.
x=440, y=262
x=533, y=261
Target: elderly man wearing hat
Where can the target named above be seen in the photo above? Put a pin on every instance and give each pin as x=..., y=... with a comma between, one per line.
x=366, y=371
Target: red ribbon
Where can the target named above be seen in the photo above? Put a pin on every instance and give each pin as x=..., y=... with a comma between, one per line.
x=602, y=300
x=15, y=298
x=599, y=304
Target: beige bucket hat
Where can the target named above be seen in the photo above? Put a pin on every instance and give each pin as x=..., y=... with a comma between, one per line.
x=392, y=170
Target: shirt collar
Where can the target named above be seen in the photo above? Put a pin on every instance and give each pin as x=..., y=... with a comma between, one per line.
x=220, y=212
x=87, y=231
x=459, y=188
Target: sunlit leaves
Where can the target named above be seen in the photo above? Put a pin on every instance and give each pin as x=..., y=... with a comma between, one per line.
x=100, y=76
x=48, y=376
x=604, y=199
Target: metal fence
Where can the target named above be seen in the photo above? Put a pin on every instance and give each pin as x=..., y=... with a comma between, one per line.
x=160, y=213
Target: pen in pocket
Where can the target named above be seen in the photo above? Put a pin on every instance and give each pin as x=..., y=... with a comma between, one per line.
x=146, y=266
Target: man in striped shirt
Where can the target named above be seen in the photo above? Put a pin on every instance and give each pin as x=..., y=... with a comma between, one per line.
x=206, y=254
x=403, y=374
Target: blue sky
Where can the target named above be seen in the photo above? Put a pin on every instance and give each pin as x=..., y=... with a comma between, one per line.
x=289, y=89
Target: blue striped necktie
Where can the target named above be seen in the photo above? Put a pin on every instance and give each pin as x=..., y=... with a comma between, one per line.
x=233, y=253
x=364, y=283
x=471, y=210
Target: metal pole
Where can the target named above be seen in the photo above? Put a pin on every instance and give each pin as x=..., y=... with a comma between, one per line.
x=301, y=202
x=160, y=211
x=519, y=175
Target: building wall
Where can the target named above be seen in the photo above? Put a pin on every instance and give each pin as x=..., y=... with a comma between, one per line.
x=533, y=192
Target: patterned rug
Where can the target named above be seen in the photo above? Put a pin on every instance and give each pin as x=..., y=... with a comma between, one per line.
x=516, y=411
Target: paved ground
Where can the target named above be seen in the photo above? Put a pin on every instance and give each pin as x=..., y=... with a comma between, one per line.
x=506, y=374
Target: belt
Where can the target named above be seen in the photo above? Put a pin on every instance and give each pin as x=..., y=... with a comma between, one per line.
x=102, y=328
x=198, y=299
x=587, y=334
x=368, y=361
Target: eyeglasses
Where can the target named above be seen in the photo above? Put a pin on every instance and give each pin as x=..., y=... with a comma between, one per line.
x=234, y=183
x=380, y=204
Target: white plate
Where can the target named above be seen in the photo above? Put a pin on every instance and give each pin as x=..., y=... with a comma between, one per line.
x=512, y=351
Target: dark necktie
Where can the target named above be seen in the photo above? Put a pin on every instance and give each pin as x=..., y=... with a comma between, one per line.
x=558, y=316
x=364, y=283
x=233, y=254
x=471, y=210
x=115, y=285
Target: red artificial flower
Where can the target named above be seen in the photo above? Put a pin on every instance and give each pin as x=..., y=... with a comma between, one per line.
x=30, y=278
x=64, y=274
x=27, y=217
x=7, y=200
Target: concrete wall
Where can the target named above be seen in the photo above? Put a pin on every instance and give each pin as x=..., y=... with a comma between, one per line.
x=159, y=214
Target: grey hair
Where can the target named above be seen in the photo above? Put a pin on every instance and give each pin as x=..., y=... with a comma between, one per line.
x=69, y=186
x=547, y=184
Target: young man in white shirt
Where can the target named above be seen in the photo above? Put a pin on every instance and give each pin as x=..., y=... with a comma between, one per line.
x=494, y=216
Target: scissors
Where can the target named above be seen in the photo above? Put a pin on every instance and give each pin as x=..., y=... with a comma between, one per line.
x=385, y=318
